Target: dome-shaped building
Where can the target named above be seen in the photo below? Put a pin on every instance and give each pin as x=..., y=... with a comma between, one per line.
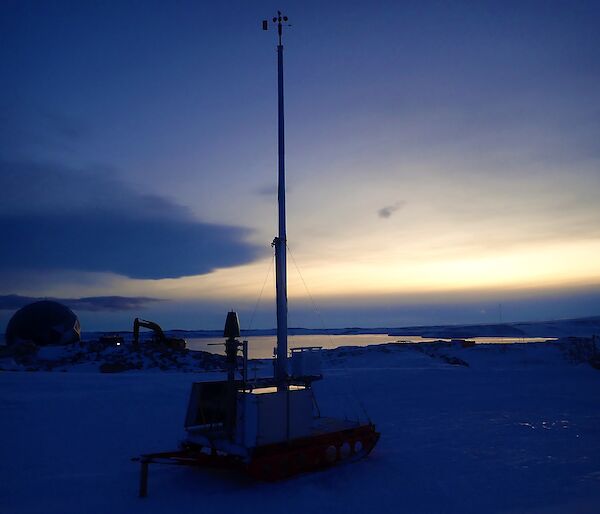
x=45, y=323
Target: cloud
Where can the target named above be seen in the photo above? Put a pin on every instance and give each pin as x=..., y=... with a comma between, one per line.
x=92, y=303
x=28, y=128
x=69, y=128
x=388, y=210
x=55, y=218
x=268, y=191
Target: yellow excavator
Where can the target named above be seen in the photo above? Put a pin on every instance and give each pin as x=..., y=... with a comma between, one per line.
x=159, y=336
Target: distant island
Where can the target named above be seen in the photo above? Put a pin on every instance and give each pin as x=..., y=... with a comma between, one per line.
x=583, y=327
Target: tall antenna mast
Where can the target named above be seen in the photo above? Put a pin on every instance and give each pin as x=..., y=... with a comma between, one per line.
x=281, y=373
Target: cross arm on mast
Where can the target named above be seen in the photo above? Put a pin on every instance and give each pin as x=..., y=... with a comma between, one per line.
x=281, y=21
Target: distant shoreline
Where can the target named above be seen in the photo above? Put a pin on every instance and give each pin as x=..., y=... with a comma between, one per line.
x=588, y=326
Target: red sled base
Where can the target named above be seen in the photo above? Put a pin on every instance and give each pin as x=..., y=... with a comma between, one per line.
x=275, y=461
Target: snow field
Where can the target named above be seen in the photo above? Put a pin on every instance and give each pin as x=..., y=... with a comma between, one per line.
x=515, y=431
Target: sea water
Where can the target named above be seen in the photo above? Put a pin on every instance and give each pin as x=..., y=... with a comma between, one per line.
x=261, y=347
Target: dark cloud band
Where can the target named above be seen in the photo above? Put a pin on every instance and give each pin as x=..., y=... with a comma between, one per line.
x=54, y=218
x=91, y=303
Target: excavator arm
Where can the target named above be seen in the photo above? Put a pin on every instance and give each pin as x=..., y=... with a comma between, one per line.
x=155, y=327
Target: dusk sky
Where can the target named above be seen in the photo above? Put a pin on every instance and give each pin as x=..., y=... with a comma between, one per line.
x=443, y=161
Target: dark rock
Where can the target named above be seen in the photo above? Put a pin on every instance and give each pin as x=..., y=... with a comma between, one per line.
x=22, y=349
x=454, y=361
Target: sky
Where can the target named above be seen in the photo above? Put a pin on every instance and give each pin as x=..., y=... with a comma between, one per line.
x=442, y=161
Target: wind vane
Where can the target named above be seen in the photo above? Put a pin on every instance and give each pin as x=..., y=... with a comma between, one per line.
x=280, y=20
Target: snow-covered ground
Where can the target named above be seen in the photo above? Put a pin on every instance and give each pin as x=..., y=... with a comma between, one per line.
x=488, y=428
